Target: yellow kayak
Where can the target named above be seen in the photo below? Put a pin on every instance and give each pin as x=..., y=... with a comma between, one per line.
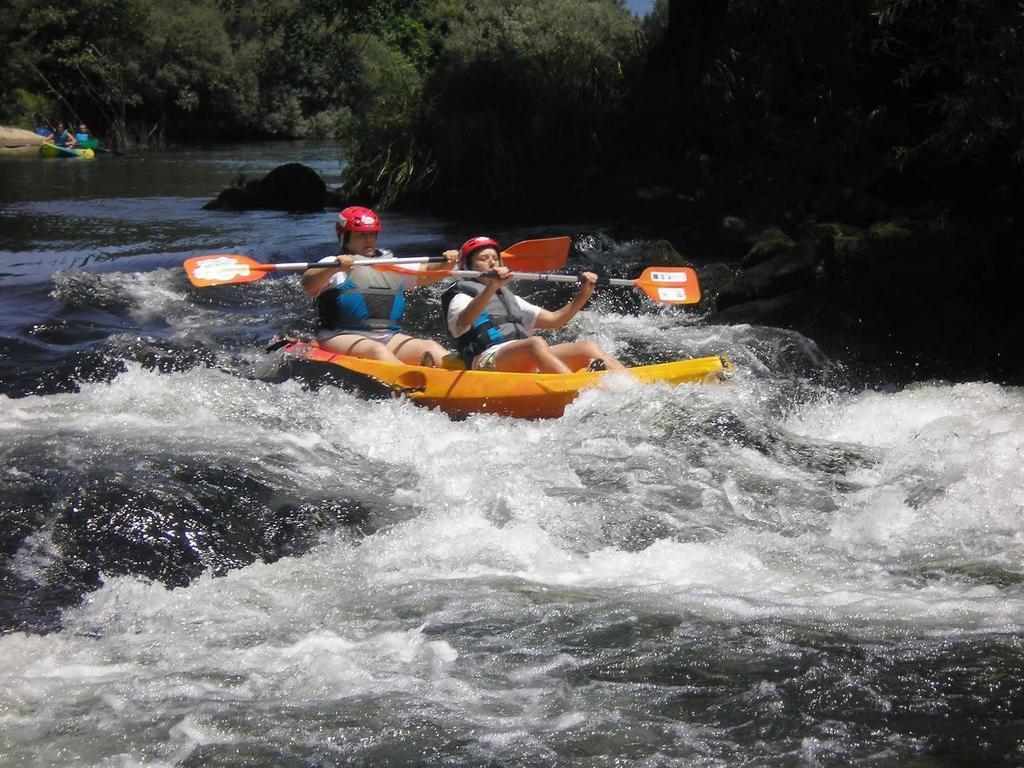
x=522, y=395
x=51, y=150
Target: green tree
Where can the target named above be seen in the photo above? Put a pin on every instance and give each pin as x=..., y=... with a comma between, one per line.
x=513, y=105
x=195, y=84
x=88, y=54
x=960, y=71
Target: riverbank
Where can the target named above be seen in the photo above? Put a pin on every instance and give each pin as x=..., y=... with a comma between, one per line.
x=18, y=141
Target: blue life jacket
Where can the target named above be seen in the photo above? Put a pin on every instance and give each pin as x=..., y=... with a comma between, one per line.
x=501, y=320
x=368, y=300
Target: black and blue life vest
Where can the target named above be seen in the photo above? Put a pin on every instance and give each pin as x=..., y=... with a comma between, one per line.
x=368, y=300
x=501, y=320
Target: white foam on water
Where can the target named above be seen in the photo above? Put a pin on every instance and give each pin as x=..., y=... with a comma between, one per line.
x=948, y=470
x=733, y=518
x=162, y=296
x=505, y=496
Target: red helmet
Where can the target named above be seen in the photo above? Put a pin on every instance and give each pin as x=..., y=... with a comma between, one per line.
x=475, y=244
x=355, y=218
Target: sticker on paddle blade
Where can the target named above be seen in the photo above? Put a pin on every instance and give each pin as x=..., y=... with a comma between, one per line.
x=672, y=295
x=220, y=269
x=664, y=276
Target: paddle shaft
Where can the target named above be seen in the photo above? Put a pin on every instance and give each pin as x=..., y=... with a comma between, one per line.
x=302, y=266
x=668, y=285
x=543, y=277
x=230, y=268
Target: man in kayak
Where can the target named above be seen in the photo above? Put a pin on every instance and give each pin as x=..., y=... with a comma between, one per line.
x=360, y=308
x=494, y=329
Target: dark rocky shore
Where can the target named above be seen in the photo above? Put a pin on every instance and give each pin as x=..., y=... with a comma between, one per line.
x=898, y=297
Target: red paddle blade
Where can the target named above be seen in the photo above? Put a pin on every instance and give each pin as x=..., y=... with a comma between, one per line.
x=224, y=269
x=542, y=255
x=670, y=285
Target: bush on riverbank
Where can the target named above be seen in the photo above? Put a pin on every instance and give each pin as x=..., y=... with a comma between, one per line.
x=512, y=110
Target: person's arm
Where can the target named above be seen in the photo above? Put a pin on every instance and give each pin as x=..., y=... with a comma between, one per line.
x=559, y=317
x=451, y=259
x=314, y=280
x=475, y=307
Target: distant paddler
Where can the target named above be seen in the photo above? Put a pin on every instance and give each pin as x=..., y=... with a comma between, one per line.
x=62, y=137
x=360, y=309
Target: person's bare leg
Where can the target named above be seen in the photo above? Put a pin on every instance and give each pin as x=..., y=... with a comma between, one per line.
x=411, y=351
x=577, y=355
x=528, y=355
x=359, y=346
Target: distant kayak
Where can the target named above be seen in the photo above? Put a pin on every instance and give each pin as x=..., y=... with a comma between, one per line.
x=52, y=150
x=522, y=395
x=85, y=140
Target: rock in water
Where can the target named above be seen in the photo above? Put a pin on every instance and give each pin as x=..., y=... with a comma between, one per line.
x=290, y=187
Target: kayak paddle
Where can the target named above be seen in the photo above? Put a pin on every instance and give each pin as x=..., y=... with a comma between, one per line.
x=231, y=268
x=668, y=285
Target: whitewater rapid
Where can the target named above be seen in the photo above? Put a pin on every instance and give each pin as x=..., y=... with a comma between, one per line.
x=500, y=549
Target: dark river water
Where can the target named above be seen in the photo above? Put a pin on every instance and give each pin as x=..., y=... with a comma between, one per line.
x=205, y=560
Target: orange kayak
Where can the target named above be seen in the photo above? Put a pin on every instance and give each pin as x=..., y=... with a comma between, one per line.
x=522, y=395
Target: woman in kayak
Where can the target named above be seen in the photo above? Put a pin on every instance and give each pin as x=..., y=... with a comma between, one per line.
x=494, y=329
x=61, y=136
x=360, y=308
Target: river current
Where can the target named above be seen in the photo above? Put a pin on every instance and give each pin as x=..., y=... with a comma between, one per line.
x=206, y=559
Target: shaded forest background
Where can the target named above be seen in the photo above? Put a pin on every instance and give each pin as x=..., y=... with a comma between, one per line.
x=851, y=168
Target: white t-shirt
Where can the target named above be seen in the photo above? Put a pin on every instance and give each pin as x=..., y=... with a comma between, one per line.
x=461, y=300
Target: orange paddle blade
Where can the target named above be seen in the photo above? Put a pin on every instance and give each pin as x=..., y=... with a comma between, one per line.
x=542, y=255
x=670, y=285
x=224, y=268
x=398, y=269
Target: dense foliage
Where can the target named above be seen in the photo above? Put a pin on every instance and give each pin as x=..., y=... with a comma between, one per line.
x=514, y=104
x=148, y=72
x=508, y=103
x=907, y=99
x=783, y=109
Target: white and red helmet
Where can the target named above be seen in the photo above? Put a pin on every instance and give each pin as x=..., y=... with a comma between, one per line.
x=475, y=244
x=356, y=218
